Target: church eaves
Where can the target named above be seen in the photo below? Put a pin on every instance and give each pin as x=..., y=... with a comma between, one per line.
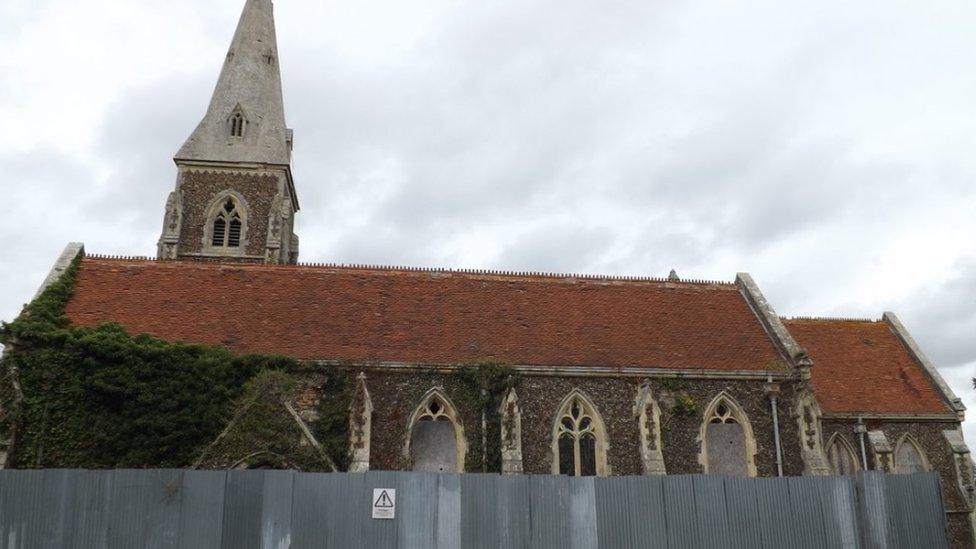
x=246, y=121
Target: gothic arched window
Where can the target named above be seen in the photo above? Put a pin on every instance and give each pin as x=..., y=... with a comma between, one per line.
x=843, y=459
x=728, y=446
x=909, y=457
x=225, y=232
x=579, y=439
x=227, y=226
x=436, y=442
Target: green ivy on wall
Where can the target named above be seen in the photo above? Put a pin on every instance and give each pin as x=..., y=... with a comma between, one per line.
x=332, y=426
x=102, y=398
x=486, y=383
x=264, y=433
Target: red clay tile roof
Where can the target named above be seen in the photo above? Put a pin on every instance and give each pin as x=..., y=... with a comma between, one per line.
x=421, y=317
x=863, y=366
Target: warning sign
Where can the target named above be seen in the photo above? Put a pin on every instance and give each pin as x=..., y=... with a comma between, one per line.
x=384, y=503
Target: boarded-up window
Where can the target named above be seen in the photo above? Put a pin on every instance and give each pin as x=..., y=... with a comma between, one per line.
x=841, y=456
x=908, y=458
x=726, y=443
x=434, y=439
x=433, y=447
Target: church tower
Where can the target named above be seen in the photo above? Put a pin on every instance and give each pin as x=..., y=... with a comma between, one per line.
x=235, y=197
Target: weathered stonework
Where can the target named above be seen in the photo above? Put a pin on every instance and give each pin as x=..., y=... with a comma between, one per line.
x=882, y=450
x=172, y=227
x=201, y=188
x=808, y=417
x=648, y=415
x=511, y=434
x=360, y=427
x=395, y=396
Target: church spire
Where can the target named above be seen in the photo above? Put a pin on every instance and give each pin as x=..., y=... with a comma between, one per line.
x=246, y=120
x=235, y=197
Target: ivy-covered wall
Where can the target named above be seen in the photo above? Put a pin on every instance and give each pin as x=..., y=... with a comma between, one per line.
x=103, y=398
x=266, y=431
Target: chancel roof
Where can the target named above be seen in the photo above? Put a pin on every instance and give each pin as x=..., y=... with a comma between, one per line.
x=864, y=367
x=428, y=317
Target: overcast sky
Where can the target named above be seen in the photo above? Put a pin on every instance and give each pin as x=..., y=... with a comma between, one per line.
x=825, y=147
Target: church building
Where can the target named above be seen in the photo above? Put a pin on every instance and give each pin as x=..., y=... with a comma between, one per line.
x=604, y=375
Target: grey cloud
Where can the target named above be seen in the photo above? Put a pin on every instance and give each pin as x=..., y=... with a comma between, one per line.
x=557, y=248
x=141, y=132
x=943, y=317
x=45, y=207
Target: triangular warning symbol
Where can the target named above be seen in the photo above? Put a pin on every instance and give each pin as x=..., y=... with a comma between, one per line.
x=384, y=501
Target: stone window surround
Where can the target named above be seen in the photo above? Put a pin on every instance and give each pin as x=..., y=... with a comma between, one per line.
x=215, y=208
x=599, y=430
x=237, y=123
x=838, y=438
x=739, y=415
x=907, y=438
x=449, y=412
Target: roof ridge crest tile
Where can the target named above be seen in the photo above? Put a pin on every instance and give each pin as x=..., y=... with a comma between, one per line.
x=832, y=319
x=419, y=269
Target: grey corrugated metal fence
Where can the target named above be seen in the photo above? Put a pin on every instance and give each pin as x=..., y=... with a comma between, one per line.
x=279, y=509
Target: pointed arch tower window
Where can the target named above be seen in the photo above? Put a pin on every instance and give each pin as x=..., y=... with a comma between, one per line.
x=237, y=123
x=579, y=438
x=840, y=454
x=226, y=229
x=228, y=226
x=909, y=457
x=727, y=443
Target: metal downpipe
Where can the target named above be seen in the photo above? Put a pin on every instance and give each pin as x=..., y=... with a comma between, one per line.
x=772, y=389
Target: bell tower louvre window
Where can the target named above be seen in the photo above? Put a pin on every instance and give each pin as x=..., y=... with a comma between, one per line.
x=227, y=226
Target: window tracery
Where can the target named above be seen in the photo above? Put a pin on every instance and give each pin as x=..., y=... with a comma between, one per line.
x=227, y=226
x=579, y=439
